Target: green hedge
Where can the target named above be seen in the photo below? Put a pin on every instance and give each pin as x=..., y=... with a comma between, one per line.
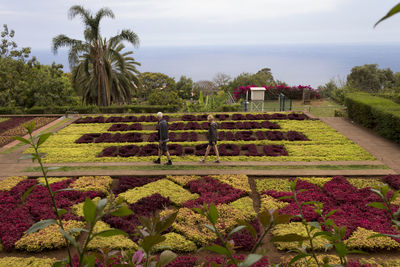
x=89, y=109
x=379, y=114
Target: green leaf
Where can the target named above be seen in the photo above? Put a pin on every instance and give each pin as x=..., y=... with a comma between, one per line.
x=282, y=219
x=198, y=210
x=236, y=229
x=308, y=203
x=331, y=213
x=89, y=210
x=60, y=263
x=43, y=138
x=150, y=241
x=122, y=211
x=26, y=193
x=210, y=227
x=289, y=238
x=249, y=228
x=265, y=218
x=298, y=257
x=166, y=222
x=250, y=260
x=213, y=214
x=101, y=204
x=378, y=205
x=341, y=249
x=394, y=196
x=69, y=237
x=315, y=224
x=218, y=249
x=77, y=230
x=111, y=232
x=30, y=126
x=28, y=156
x=393, y=11
x=166, y=257
x=89, y=261
x=60, y=212
x=285, y=197
x=40, y=225
x=21, y=139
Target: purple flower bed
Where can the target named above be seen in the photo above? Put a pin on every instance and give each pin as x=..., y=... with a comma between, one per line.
x=275, y=135
x=252, y=150
x=297, y=116
x=351, y=203
x=17, y=217
x=229, y=150
x=144, y=207
x=393, y=181
x=243, y=240
x=128, y=182
x=176, y=126
x=275, y=150
x=101, y=119
x=212, y=191
x=125, y=127
x=269, y=125
x=296, y=136
x=13, y=122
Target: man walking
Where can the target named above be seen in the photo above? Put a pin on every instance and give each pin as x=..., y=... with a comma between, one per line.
x=162, y=139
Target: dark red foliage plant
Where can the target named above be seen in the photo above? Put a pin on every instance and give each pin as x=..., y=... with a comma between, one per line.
x=275, y=150
x=393, y=181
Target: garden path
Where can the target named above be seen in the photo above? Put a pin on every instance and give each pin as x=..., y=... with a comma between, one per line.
x=384, y=150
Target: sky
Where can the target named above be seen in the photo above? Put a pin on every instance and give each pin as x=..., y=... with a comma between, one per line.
x=209, y=22
x=181, y=24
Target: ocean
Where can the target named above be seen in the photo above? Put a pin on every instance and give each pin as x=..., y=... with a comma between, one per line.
x=295, y=64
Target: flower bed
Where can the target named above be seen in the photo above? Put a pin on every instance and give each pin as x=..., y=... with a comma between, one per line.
x=247, y=137
x=15, y=126
x=336, y=193
x=232, y=193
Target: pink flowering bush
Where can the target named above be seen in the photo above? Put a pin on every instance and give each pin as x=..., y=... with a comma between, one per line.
x=292, y=92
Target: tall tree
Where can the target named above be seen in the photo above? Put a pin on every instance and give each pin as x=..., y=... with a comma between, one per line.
x=103, y=73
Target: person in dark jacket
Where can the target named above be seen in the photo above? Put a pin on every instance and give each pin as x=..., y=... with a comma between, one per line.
x=212, y=137
x=162, y=139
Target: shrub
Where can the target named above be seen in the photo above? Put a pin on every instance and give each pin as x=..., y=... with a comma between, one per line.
x=379, y=114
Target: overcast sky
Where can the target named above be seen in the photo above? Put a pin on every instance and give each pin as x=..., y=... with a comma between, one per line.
x=209, y=22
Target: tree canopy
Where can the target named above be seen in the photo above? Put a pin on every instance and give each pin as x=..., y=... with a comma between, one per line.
x=101, y=70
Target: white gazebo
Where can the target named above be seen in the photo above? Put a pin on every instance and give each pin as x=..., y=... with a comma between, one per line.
x=257, y=98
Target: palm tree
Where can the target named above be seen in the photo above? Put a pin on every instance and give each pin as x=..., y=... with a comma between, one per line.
x=100, y=69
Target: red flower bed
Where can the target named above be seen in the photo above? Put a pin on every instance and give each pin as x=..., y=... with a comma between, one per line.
x=13, y=122
x=393, y=181
x=212, y=191
x=144, y=207
x=351, y=203
x=128, y=182
x=17, y=217
x=275, y=150
x=183, y=261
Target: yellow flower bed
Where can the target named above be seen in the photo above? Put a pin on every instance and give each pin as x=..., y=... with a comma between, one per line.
x=47, y=238
x=93, y=183
x=8, y=183
x=4, y=119
x=183, y=179
x=362, y=183
x=379, y=262
x=177, y=243
x=27, y=262
x=325, y=144
x=77, y=209
x=245, y=205
x=164, y=187
x=239, y=181
x=52, y=180
x=276, y=184
x=359, y=240
x=319, y=181
x=299, y=229
x=111, y=242
x=270, y=203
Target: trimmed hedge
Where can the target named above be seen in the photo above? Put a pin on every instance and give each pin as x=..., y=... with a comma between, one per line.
x=89, y=109
x=379, y=114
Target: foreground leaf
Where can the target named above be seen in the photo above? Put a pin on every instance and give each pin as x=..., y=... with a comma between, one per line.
x=40, y=225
